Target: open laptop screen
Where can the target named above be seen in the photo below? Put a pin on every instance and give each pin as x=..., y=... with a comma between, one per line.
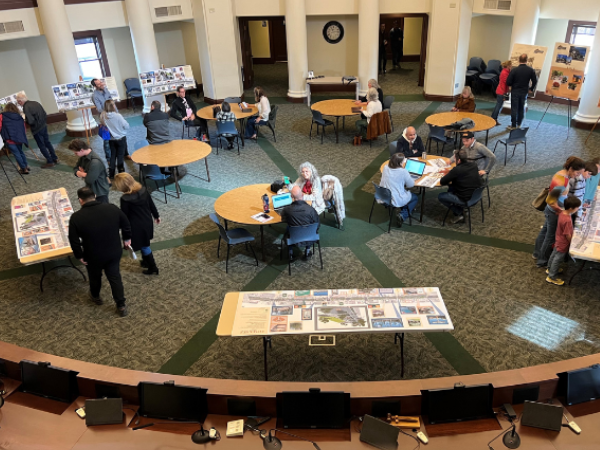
x=415, y=167
x=281, y=200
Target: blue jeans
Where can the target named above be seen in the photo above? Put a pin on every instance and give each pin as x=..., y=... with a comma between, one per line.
x=17, y=151
x=146, y=250
x=498, y=107
x=556, y=259
x=43, y=141
x=414, y=199
x=252, y=127
x=450, y=200
x=545, y=240
x=517, y=108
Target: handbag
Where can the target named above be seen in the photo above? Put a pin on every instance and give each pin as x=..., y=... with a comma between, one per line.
x=103, y=132
x=539, y=202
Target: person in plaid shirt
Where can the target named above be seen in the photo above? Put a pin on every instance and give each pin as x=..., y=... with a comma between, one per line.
x=225, y=115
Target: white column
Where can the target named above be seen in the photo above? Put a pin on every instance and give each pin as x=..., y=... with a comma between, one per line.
x=57, y=29
x=368, y=42
x=144, y=42
x=297, y=48
x=588, y=111
x=525, y=22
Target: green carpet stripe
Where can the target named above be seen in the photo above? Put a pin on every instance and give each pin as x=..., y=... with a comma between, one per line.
x=20, y=272
x=522, y=176
x=376, y=266
x=195, y=191
x=274, y=155
x=185, y=240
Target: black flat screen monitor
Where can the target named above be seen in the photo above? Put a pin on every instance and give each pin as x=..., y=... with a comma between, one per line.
x=172, y=402
x=458, y=404
x=313, y=409
x=583, y=385
x=48, y=381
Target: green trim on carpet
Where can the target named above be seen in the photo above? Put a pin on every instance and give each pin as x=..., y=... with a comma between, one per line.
x=382, y=273
x=276, y=157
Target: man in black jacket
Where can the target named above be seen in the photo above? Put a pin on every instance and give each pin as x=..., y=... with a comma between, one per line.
x=397, y=43
x=382, y=49
x=521, y=80
x=157, y=125
x=298, y=214
x=35, y=116
x=184, y=109
x=95, y=241
x=463, y=180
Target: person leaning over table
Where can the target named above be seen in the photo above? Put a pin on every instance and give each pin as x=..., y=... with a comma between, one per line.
x=264, y=109
x=476, y=152
x=373, y=107
x=310, y=184
x=298, y=214
x=35, y=116
x=12, y=130
x=466, y=101
x=184, y=109
x=157, y=125
x=462, y=181
x=397, y=179
x=410, y=144
x=90, y=167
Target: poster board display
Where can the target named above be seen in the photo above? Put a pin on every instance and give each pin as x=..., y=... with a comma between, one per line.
x=10, y=99
x=330, y=311
x=78, y=95
x=586, y=237
x=536, y=54
x=567, y=71
x=41, y=224
x=166, y=81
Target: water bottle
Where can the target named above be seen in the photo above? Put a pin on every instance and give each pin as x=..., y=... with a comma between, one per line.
x=265, y=200
x=424, y=155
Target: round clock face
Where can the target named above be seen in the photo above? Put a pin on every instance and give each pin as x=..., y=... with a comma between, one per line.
x=333, y=32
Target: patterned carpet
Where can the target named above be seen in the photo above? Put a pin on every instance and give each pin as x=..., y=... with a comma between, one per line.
x=506, y=316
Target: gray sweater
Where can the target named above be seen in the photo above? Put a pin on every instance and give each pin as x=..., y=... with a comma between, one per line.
x=116, y=124
x=480, y=155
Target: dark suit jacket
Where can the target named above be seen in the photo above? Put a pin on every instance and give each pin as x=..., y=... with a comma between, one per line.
x=402, y=146
x=178, y=108
x=519, y=79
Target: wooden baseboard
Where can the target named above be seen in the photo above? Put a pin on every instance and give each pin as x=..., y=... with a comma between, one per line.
x=213, y=101
x=441, y=98
x=81, y=134
x=333, y=87
x=296, y=99
x=583, y=125
x=410, y=58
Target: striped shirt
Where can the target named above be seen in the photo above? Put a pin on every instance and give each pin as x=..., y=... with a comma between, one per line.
x=577, y=187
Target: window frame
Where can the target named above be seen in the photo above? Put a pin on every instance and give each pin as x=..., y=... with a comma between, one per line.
x=97, y=35
x=576, y=23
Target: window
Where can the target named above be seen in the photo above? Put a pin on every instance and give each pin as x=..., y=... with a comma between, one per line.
x=581, y=33
x=91, y=55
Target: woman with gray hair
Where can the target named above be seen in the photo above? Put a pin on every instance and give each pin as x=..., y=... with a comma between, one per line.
x=372, y=84
x=374, y=106
x=310, y=183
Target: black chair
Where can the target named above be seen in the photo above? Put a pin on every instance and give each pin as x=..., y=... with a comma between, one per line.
x=475, y=198
x=188, y=124
x=387, y=106
x=302, y=234
x=492, y=74
x=393, y=148
x=438, y=134
x=515, y=138
x=271, y=121
x=133, y=90
x=383, y=196
x=317, y=118
x=475, y=68
x=232, y=237
x=225, y=130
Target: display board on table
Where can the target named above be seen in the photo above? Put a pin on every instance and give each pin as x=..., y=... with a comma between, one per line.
x=536, y=54
x=78, y=95
x=586, y=237
x=11, y=99
x=41, y=222
x=166, y=81
x=567, y=71
x=341, y=311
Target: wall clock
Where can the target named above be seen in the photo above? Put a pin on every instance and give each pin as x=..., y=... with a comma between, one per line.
x=333, y=32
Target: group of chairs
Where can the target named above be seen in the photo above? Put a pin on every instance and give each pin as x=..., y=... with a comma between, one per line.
x=479, y=73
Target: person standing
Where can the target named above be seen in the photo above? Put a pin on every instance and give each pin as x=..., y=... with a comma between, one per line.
x=564, y=234
x=397, y=43
x=35, y=116
x=139, y=208
x=502, y=89
x=91, y=168
x=99, y=97
x=157, y=125
x=12, y=130
x=382, y=49
x=118, y=127
x=299, y=214
x=95, y=241
x=184, y=109
x=522, y=80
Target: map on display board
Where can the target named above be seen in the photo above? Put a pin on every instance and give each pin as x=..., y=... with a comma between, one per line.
x=78, y=95
x=11, y=99
x=567, y=71
x=41, y=222
x=341, y=311
x=536, y=54
x=586, y=238
x=166, y=81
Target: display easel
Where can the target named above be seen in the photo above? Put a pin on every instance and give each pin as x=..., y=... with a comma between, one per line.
x=568, y=113
x=592, y=130
x=87, y=122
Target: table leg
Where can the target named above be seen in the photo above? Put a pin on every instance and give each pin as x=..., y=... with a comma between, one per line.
x=207, y=172
x=337, y=125
x=344, y=123
x=266, y=341
x=242, y=130
x=176, y=181
x=262, y=243
x=46, y=272
x=225, y=221
x=487, y=135
x=422, y=204
x=400, y=336
x=578, y=270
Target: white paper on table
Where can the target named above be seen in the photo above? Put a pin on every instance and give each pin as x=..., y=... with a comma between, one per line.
x=430, y=169
x=262, y=217
x=429, y=181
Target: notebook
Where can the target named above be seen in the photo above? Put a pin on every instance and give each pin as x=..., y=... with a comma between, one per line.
x=415, y=168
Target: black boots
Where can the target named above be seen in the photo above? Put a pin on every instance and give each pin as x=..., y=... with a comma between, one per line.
x=148, y=261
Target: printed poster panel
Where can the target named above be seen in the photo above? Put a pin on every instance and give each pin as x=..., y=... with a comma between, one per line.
x=567, y=71
x=10, y=99
x=78, y=95
x=536, y=54
x=165, y=81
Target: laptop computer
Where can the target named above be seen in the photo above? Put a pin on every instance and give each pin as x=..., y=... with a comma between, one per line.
x=415, y=168
x=281, y=201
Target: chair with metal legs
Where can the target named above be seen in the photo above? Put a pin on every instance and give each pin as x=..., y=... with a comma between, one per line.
x=475, y=198
x=383, y=196
x=232, y=237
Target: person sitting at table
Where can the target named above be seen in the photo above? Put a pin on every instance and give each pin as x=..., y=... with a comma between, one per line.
x=157, y=125
x=373, y=107
x=183, y=108
x=299, y=214
x=410, y=144
x=398, y=180
x=476, y=152
x=371, y=84
x=225, y=115
x=264, y=109
x=462, y=180
x=310, y=184
x=138, y=206
x=466, y=101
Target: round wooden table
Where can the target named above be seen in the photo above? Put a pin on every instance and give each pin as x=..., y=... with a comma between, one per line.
x=423, y=188
x=336, y=108
x=173, y=154
x=207, y=113
x=238, y=205
x=482, y=122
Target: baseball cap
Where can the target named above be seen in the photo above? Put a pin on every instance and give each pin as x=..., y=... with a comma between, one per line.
x=467, y=135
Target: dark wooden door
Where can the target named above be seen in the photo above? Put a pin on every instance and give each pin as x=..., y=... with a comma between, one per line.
x=247, y=67
x=278, y=39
